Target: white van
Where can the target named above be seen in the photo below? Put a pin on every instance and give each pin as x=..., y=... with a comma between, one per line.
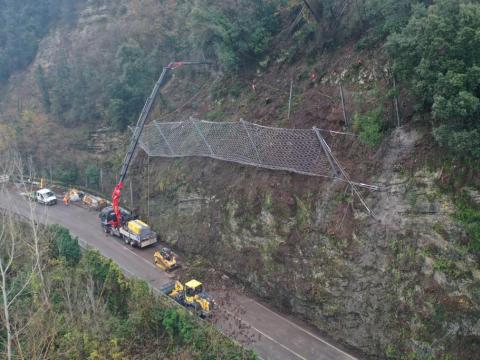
x=45, y=196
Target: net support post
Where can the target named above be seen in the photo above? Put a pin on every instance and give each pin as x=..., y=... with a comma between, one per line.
x=199, y=131
x=332, y=160
x=395, y=100
x=342, y=97
x=251, y=141
x=326, y=150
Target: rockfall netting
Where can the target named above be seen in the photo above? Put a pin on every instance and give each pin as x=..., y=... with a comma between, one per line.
x=302, y=151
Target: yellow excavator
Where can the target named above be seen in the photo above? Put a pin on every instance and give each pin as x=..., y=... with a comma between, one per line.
x=191, y=295
x=165, y=259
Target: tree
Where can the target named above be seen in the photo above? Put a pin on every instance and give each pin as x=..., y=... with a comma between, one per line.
x=22, y=26
x=92, y=175
x=63, y=245
x=43, y=86
x=236, y=41
x=17, y=267
x=437, y=54
x=138, y=72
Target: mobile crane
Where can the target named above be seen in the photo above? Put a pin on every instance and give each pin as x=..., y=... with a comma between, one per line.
x=117, y=221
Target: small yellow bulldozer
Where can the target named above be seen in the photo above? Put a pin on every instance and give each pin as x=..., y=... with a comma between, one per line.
x=165, y=259
x=191, y=295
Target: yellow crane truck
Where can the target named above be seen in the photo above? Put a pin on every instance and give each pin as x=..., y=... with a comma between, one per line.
x=191, y=295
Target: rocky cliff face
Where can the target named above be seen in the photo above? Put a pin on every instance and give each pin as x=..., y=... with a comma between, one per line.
x=396, y=283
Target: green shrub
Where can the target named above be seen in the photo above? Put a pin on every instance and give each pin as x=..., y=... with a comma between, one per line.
x=110, y=282
x=369, y=126
x=469, y=215
x=63, y=245
x=178, y=324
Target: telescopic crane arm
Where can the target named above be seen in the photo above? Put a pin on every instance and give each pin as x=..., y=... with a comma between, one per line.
x=117, y=192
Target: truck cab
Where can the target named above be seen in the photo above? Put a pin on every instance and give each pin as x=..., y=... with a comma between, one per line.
x=45, y=196
x=107, y=215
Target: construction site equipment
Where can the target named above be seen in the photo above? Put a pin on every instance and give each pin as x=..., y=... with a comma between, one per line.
x=72, y=195
x=191, y=295
x=137, y=227
x=117, y=192
x=165, y=259
x=94, y=202
x=134, y=232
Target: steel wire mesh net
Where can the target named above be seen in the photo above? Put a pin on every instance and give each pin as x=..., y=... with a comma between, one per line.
x=296, y=150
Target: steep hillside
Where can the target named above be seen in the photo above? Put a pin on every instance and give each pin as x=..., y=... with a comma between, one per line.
x=385, y=75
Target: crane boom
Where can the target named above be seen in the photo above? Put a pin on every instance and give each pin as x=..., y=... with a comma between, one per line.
x=117, y=192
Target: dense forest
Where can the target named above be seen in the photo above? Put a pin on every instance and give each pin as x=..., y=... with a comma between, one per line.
x=23, y=25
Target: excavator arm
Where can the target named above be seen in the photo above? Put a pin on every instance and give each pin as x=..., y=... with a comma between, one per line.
x=117, y=192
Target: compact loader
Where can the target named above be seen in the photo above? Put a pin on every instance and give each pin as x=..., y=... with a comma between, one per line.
x=190, y=295
x=165, y=259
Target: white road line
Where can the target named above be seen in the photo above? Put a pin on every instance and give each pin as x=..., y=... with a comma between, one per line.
x=268, y=337
x=302, y=329
x=143, y=259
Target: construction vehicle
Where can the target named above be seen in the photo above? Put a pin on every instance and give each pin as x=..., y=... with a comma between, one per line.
x=116, y=224
x=165, y=259
x=191, y=295
x=133, y=231
x=44, y=196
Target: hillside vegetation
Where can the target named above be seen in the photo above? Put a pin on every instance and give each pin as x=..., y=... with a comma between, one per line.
x=67, y=304
x=403, y=284
x=434, y=59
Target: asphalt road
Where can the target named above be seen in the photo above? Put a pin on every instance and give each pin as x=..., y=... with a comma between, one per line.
x=271, y=334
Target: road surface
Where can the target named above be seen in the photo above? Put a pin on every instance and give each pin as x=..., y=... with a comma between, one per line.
x=271, y=334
